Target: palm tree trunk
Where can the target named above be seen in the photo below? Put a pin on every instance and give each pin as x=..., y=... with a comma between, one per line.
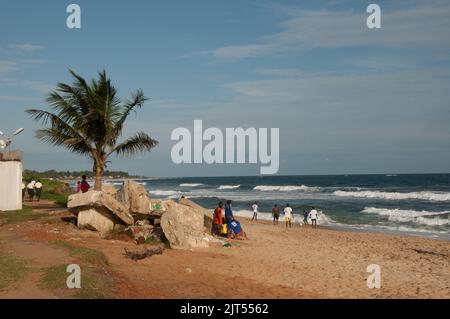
x=98, y=175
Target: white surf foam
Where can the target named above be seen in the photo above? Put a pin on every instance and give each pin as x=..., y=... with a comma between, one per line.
x=191, y=184
x=228, y=186
x=406, y=216
x=430, y=196
x=286, y=188
x=168, y=193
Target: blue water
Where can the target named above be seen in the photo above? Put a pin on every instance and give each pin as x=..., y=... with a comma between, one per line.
x=409, y=204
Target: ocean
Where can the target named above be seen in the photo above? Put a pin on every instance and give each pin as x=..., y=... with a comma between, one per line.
x=406, y=204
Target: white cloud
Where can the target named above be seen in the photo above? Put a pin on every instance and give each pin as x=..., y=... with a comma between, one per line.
x=8, y=66
x=18, y=98
x=26, y=47
x=409, y=27
x=38, y=86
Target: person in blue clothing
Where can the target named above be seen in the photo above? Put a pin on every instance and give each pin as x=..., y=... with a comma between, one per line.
x=234, y=228
x=229, y=212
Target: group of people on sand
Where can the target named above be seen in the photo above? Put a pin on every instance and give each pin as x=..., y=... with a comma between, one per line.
x=32, y=190
x=225, y=224
x=288, y=215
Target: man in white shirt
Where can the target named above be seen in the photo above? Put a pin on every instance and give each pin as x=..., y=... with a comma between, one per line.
x=255, y=211
x=313, y=216
x=288, y=215
x=38, y=190
x=30, y=190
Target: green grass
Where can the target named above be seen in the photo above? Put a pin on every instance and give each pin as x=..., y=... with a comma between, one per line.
x=55, y=191
x=59, y=199
x=94, y=282
x=87, y=255
x=11, y=270
x=22, y=215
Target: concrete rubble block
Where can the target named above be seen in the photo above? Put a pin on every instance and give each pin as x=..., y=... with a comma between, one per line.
x=184, y=228
x=110, y=190
x=135, y=197
x=94, y=220
x=95, y=208
x=207, y=214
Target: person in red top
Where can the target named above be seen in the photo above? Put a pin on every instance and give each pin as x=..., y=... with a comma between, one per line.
x=217, y=219
x=84, y=185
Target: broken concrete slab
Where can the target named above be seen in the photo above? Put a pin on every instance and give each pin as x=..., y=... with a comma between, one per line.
x=110, y=190
x=183, y=226
x=135, y=197
x=207, y=214
x=96, y=208
x=93, y=220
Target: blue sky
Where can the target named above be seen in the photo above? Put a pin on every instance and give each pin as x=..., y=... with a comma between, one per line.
x=346, y=99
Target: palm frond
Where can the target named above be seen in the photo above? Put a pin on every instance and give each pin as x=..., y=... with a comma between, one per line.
x=139, y=142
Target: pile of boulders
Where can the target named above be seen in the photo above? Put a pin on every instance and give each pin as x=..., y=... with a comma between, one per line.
x=182, y=224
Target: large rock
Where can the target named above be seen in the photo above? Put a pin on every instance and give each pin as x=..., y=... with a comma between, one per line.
x=98, y=210
x=184, y=226
x=135, y=197
x=94, y=220
x=109, y=189
x=207, y=221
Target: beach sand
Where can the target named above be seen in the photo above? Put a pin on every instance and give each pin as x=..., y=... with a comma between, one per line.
x=274, y=263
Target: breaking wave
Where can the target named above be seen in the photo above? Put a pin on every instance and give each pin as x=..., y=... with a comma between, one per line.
x=287, y=188
x=191, y=184
x=411, y=216
x=172, y=194
x=431, y=196
x=228, y=186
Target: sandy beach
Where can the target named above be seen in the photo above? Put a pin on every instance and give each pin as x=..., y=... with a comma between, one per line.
x=274, y=263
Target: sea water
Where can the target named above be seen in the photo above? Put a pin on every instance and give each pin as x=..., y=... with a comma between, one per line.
x=407, y=204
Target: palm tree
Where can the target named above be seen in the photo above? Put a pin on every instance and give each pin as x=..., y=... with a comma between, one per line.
x=88, y=120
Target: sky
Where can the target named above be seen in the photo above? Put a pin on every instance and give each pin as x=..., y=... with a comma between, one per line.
x=347, y=99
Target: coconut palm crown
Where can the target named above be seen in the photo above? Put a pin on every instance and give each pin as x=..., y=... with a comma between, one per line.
x=88, y=119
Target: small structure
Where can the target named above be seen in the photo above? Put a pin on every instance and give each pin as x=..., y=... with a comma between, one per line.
x=10, y=180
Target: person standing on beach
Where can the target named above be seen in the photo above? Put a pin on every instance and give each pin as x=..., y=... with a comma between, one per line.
x=288, y=216
x=255, y=211
x=217, y=219
x=313, y=216
x=229, y=212
x=84, y=185
x=305, y=217
x=38, y=190
x=275, y=214
x=30, y=190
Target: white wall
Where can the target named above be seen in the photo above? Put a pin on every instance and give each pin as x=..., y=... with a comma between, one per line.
x=10, y=185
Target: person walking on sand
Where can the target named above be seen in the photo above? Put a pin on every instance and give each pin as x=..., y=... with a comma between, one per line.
x=84, y=185
x=255, y=211
x=305, y=217
x=275, y=214
x=30, y=190
x=38, y=190
x=217, y=219
x=288, y=216
x=313, y=216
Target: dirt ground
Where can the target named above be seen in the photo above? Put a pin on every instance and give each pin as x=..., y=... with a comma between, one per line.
x=274, y=263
